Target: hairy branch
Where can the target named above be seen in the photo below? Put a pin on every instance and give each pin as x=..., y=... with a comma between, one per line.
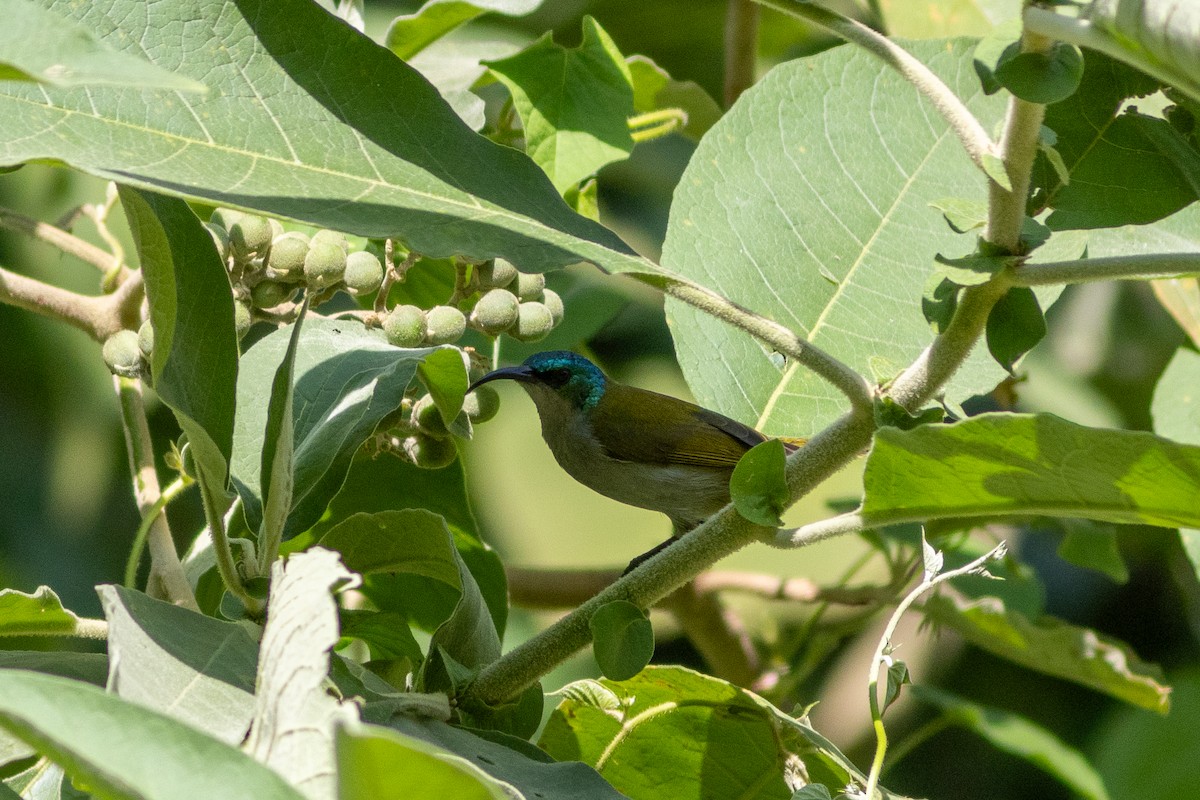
x=57, y=237
x=741, y=47
x=1139, y=267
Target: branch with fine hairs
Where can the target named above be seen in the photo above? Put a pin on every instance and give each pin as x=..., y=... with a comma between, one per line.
x=721, y=535
x=741, y=47
x=1139, y=267
x=173, y=490
x=966, y=127
x=85, y=628
x=783, y=340
x=57, y=237
x=226, y=565
x=98, y=317
x=166, y=572
x=885, y=643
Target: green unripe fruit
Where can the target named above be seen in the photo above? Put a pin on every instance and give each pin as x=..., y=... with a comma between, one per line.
x=146, y=339
x=425, y=415
x=225, y=217
x=530, y=286
x=534, y=323
x=268, y=294
x=482, y=404
x=330, y=237
x=241, y=318
x=276, y=228
x=444, y=325
x=220, y=238
x=405, y=326
x=497, y=274
x=495, y=312
x=249, y=236
x=287, y=256
x=428, y=452
x=364, y=273
x=122, y=354
x=552, y=301
x=187, y=461
x=324, y=265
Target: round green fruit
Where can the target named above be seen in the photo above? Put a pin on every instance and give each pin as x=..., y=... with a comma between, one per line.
x=287, y=256
x=268, y=294
x=530, y=286
x=123, y=355
x=330, y=237
x=552, y=301
x=249, y=236
x=482, y=404
x=495, y=312
x=241, y=318
x=405, y=326
x=428, y=452
x=324, y=265
x=425, y=415
x=220, y=238
x=225, y=217
x=146, y=339
x=497, y=274
x=444, y=325
x=364, y=273
x=533, y=323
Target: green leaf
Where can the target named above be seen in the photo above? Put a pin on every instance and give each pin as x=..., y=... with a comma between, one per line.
x=39, y=45
x=386, y=634
x=991, y=48
x=1014, y=325
x=375, y=763
x=529, y=770
x=122, y=750
x=1093, y=546
x=993, y=166
x=444, y=373
x=573, y=104
x=291, y=128
x=940, y=18
x=961, y=215
x=825, y=170
x=279, y=446
x=295, y=716
x=195, y=668
x=1156, y=36
x=1055, y=648
x=409, y=34
x=654, y=89
x=738, y=744
x=939, y=301
x=622, y=639
x=38, y=613
x=86, y=667
x=759, y=484
x=195, y=358
x=1176, y=404
x=1022, y=738
x=1181, y=297
x=1044, y=78
x=897, y=676
x=1014, y=464
x=972, y=270
x=388, y=484
x=346, y=380
x=414, y=541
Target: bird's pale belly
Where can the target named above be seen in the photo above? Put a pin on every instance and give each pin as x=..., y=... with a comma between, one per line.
x=685, y=493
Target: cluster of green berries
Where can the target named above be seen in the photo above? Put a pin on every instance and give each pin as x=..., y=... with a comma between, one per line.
x=419, y=433
x=499, y=299
x=268, y=264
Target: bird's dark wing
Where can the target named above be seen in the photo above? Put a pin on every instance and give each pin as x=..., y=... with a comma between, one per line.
x=647, y=427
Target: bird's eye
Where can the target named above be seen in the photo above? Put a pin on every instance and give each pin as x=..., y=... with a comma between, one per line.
x=557, y=377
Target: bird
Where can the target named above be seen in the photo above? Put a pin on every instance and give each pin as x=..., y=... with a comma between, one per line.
x=632, y=445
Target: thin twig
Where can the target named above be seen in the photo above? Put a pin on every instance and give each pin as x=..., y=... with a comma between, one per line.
x=741, y=47
x=165, y=569
x=57, y=237
x=1140, y=267
x=95, y=316
x=971, y=134
x=173, y=490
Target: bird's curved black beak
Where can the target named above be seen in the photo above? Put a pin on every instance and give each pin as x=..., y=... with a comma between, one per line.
x=518, y=373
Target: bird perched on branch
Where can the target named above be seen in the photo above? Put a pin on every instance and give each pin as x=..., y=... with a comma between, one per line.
x=639, y=447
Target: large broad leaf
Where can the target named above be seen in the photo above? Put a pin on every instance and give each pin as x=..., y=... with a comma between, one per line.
x=379, y=764
x=1022, y=738
x=809, y=202
x=195, y=358
x=738, y=744
x=535, y=775
x=1158, y=36
x=123, y=750
x=38, y=613
x=1055, y=648
x=1176, y=403
x=347, y=379
x=574, y=104
x=305, y=118
x=37, y=44
x=295, y=717
x=391, y=484
x=195, y=668
x=1010, y=464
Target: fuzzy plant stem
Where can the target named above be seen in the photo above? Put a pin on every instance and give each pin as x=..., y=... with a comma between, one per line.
x=57, y=237
x=1138, y=267
x=166, y=572
x=741, y=47
x=172, y=491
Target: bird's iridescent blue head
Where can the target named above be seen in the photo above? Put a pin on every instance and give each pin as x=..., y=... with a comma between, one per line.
x=567, y=374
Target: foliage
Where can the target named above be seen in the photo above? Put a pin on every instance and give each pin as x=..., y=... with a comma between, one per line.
x=335, y=233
